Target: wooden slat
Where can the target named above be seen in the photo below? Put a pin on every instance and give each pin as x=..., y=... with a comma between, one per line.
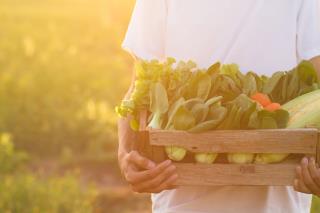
x=318, y=149
x=143, y=120
x=158, y=154
x=143, y=146
x=233, y=174
x=155, y=153
x=249, y=141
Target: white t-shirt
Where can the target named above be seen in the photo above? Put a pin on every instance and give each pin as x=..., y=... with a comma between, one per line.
x=260, y=35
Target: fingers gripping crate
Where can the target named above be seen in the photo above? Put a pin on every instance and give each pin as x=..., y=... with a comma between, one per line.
x=297, y=142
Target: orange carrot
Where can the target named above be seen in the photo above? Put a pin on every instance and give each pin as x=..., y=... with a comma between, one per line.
x=261, y=98
x=273, y=107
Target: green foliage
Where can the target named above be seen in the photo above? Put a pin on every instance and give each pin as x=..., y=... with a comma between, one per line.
x=27, y=193
x=62, y=71
x=216, y=98
x=10, y=159
x=285, y=86
x=158, y=104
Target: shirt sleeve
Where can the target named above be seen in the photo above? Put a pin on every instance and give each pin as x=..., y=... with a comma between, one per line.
x=145, y=37
x=308, y=32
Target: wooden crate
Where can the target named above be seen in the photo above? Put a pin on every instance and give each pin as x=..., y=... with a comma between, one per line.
x=299, y=142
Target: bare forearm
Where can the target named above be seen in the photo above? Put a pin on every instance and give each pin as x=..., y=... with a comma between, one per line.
x=126, y=137
x=316, y=63
x=125, y=134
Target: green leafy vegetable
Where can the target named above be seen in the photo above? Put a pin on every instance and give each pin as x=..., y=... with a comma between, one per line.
x=183, y=119
x=205, y=158
x=182, y=97
x=158, y=104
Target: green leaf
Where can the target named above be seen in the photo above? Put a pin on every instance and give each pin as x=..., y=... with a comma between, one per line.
x=249, y=85
x=232, y=120
x=213, y=69
x=183, y=119
x=204, y=86
x=213, y=100
x=204, y=126
x=242, y=101
x=282, y=118
x=260, y=81
x=307, y=73
x=139, y=70
x=200, y=112
x=268, y=122
x=275, y=96
x=224, y=86
x=217, y=114
x=254, y=122
x=158, y=99
x=231, y=70
x=265, y=113
x=284, y=88
x=293, y=86
x=272, y=82
x=191, y=102
x=173, y=110
x=247, y=114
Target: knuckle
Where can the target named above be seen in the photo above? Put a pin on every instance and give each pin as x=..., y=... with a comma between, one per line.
x=128, y=177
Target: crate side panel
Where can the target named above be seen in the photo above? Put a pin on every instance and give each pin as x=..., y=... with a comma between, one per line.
x=318, y=149
x=250, y=141
x=237, y=175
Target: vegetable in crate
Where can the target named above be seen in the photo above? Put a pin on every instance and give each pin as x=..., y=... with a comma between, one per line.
x=183, y=119
x=208, y=115
x=241, y=110
x=186, y=98
x=303, y=109
x=285, y=86
x=158, y=104
x=225, y=81
x=271, y=119
x=147, y=73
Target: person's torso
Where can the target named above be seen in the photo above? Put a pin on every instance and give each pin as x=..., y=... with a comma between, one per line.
x=230, y=199
x=259, y=35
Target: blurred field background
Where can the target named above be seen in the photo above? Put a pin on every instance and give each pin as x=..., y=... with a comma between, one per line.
x=62, y=71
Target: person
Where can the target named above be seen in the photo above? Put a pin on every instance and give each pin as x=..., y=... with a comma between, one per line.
x=260, y=35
